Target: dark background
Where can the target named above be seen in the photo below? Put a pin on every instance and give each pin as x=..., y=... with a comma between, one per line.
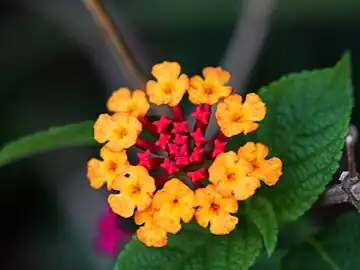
x=55, y=68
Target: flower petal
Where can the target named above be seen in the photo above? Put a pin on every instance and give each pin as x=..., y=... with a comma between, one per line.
x=95, y=173
x=152, y=235
x=223, y=224
x=121, y=205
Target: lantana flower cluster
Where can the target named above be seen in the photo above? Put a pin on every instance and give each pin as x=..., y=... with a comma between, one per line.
x=179, y=174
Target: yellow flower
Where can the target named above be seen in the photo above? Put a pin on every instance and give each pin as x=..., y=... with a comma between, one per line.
x=230, y=176
x=119, y=130
x=151, y=234
x=175, y=201
x=136, y=188
x=215, y=209
x=113, y=163
x=210, y=89
x=133, y=103
x=170, y=86
x=269, y=170
x=235, y=117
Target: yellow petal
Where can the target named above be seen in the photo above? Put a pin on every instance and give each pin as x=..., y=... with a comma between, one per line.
x=166, y=71
x=102, y=128
x=216, y=73
x=142, y=201
x=95, y=173
x=140, y=106
x=152, y=235
x=121, y=205
x=223, y=224
x=187, y=214
x=228, y=205
x=248, y=151
x=170, y=223
x=246, y=187
x=203, y=215
x=254, y=108
x=272, y=170
x=118, y=100
x=146, y=181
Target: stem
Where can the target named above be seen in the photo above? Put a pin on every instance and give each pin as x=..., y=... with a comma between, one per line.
x=125, y=58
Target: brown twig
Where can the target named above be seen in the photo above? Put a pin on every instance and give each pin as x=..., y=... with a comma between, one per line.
x=123, y=54
x=348, y=191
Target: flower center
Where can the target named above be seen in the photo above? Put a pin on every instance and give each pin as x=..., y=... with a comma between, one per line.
x=175, y=201
x=237, y=117
x=168, y=89
x=231, y=176
x=215, y=207
x=136, y=189
x=122, y=133
x=208, y=90
x=112, y=166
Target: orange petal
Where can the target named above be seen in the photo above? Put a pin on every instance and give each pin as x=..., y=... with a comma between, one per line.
x=187, y=214
x=272, y=170
x=103, y=127
x=121, y=205
x=205, y=196
x=171, y=223
x=246, y=187
x=228, y=205
x=166, y=71
x=223, y=224
x=203, y=215
x=248, y=151
x=196, y=90
x=118, y=100
x=146, y=181
x=143, y=201
x=254, y=108
x=145, y=216
x=152, y=235
x=216, y=73
x=95, y=173
x=140, y=103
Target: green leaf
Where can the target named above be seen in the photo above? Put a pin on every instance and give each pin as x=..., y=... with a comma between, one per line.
x=333, y=249
x=307, y=119
x=262, y=214
x=196, y=248
x=53, y=138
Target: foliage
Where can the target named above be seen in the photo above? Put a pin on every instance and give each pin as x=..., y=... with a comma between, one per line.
x=196, y=248
x=335, y=248
x=53, y=138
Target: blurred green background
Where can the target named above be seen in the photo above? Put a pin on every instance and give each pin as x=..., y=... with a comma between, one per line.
x=55, y=68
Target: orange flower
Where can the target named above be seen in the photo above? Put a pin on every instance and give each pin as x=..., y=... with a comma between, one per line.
x=119, y=130
x=230, y=176
x=269, y=170
x=113, y=163
x=133, y=103
x=136, y=187
x=175, y=201
x=151, y=234
x=170, y=86
x=235, y=117
x=210, y=89
x=215, y=209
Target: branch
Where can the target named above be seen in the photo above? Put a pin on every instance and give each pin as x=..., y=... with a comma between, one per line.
x=245, y=45
x=348, y=191
x=123, y=54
